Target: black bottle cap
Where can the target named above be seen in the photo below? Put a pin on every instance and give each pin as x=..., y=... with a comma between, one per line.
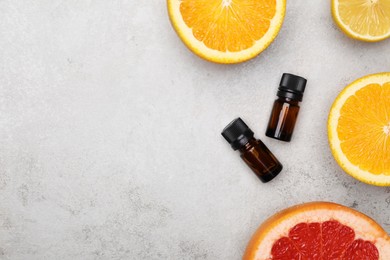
x=292, y=86
x=237, y=133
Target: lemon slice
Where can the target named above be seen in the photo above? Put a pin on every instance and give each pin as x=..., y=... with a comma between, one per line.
x=366, y=20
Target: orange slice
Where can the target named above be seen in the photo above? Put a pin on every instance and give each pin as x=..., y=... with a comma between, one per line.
x=359, y=129
x=319, y=231
x=227, y=31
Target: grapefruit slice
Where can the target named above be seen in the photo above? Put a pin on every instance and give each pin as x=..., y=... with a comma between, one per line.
x=319, y=231
x=227, y=31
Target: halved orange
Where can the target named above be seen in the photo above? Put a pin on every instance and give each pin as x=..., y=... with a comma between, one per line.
x=366, y=20
x=359, y=129
x=319, y=231
x=227, y=31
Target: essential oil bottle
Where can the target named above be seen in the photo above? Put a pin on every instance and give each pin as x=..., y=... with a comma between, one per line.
x=285, y=109
x=256, y=155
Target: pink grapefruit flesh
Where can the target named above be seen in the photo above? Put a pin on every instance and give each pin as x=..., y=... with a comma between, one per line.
x=319, y=231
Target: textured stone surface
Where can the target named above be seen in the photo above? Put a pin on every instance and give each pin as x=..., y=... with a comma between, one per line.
x=110, y=143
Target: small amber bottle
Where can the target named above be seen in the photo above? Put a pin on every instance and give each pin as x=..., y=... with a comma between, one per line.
x=256, y=155
x=285, y=110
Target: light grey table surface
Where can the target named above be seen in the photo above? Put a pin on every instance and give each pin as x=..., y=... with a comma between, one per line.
x=110, y=143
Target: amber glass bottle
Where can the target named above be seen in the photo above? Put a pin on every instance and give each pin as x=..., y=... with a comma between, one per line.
x=285, y=110
x=256, y=155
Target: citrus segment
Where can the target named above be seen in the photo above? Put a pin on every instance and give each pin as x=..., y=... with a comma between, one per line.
x=367, y=20
x=227, y=31
x=360, y=249
x=319, y=231
x=307, y=239
x=335, y=239
x=359, y=129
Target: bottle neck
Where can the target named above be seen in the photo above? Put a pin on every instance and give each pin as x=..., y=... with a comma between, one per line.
x=290, y=94
x=288, y=100
x=249, y=145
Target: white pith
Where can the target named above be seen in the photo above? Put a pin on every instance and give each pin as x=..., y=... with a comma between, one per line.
x=226, y=3
x=386, y=129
